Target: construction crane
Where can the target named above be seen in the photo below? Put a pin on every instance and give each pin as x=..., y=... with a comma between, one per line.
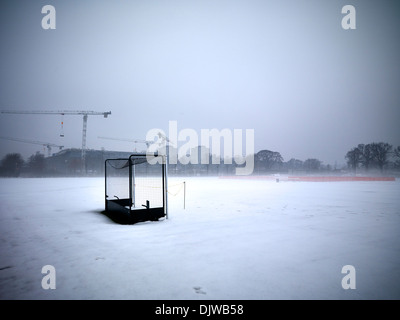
x=85, y=115
x=148, y=143
x=162, y=137
x=45, y=144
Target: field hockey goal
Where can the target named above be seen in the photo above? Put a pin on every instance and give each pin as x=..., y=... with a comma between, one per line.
x=136, y=187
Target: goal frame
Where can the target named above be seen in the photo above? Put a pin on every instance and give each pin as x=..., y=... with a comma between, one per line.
x=125, y=208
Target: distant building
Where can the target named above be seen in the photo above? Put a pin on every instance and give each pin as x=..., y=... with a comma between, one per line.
x=69, y=161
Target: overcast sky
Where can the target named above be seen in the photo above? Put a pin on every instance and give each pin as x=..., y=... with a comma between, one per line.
x=286, y=69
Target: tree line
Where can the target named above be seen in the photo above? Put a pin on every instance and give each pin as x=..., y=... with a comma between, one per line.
x=370, y=156
x=13, y=164
x=381, y=156
x=373, y=155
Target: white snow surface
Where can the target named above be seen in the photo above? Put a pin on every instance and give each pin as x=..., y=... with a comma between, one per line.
x=236, y=239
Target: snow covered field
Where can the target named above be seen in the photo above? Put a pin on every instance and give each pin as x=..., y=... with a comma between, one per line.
x=236, y=239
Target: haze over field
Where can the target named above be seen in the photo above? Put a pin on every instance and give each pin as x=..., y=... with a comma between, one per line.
x=286, y=69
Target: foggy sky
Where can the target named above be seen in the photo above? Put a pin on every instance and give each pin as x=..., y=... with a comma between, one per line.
x=286, y=69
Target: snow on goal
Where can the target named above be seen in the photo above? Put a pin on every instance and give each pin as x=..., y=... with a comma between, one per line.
x=136, y=187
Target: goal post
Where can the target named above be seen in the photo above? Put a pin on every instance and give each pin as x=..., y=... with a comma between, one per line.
x=136, y=187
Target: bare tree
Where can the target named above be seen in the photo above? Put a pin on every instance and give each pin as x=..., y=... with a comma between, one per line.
x=354, y=158
x=380, y=152
x=36, y=164
x=367, y=156
x=294, y=164
x=11, y=165
x=396, y=154
x=312, y=164
x=266, y=159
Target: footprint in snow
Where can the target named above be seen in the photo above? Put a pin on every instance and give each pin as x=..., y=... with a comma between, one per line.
x=199, y=290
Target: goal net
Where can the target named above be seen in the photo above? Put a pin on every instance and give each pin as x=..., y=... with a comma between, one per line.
x=137, y=186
